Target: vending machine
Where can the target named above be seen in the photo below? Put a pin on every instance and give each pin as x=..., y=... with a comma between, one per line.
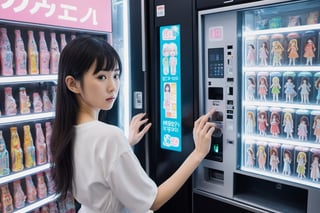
x=259, y=67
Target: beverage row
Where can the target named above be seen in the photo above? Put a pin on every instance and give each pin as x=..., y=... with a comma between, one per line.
x=299, y=125
x=37, y=59
x=290, y=87
x=35, y=149
x=288, y=160
x=283, y=49
x=17, y=100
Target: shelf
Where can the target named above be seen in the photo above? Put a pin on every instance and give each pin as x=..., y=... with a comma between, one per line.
x=27, y=79
x=281, y=69
x=281, y=105
x=37, y=204
x=18, y=175
x=28, y=117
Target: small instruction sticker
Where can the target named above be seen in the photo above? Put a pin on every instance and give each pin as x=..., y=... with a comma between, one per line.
x=160, y=10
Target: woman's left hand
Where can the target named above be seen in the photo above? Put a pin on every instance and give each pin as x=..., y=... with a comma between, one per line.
x=135, y=131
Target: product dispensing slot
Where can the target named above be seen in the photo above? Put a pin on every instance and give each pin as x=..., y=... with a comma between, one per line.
x=214, y=176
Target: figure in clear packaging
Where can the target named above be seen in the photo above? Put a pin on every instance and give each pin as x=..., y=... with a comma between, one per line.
x=316, y=128
x=305, y=88
x=277, y=51
x=286, y=163
x=251, y=56
x=274, y=160
x=250, y=122
x=315, y=171
x=262, y=123
x=309, y=51
x=317, y=86
x=274, y=124
x=263, y=53
x=301, y=164
x=251, y=89
x=262, y=157
x=263, y=88
x=250, y=157
x=289, y=90
x=275, y=88
x=288, y=124
x=293, y=51
x=303, y=128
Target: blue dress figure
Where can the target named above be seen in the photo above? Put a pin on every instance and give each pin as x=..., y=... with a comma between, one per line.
x=4, y=157
x=317, y=86
x=289, y=90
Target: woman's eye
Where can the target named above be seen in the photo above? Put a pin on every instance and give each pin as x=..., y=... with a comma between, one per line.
x=116, y=76
x=102, y=77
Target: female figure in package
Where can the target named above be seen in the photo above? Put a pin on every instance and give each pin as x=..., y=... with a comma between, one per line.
x=275, y=88
x=250, y=122
x=274, y=124
x=263, y=88
x=293, y=51
x=315, y=171
x=316, y=128
x=309, y=50
x=289, y=90
x=250, y=157
x=251, y=89
x=301, y=164
x=262, y=123
x=303, y=128
x=263, y=53
x=262, y=157
x=277, y=50
x=288, y=124
x=286, y=163
x=251, y=57
x=317, y=86
x=274, y=160
x=305, y=90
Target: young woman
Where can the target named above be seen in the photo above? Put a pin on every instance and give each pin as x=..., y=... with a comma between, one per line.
x=93, y=159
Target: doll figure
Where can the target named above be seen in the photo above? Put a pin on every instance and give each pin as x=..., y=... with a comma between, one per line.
x=263, y=54
x=274, y=160
x=286, y=163
x=277, y=50
x=316, y=128
x=274, y=124
x=165, y=59
x=275, y=88
x=250, y=122
x=305, y=90
x=262, y=123
x=293, y=51
x=251, y=89
x=317, y=86
x=309, y=50
x=288, y=124
x=289, y=90
x=303, y=128
x=173, y=51
x=263, y=88
x=262, y=157
x=312, y=17
x=315, y=171
x=166, y=101
x=301, y=164
x=251, y=57
x=250, y=157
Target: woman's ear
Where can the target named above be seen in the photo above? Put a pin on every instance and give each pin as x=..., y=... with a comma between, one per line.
x=72, y=84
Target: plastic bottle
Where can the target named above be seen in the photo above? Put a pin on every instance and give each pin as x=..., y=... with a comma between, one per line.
x=6, y=199
x=9, y=102
x=54, y=96
x=63, y=41
x=50, y=183
x=41, y=186
x=4, y=157
x=33, y=54
x=16, y=151
x=20, y=54
x=24, y=101
x=47, y=105
x=37, y=102
x=54, y=54
x=29, y=149
x=19, y=198
x=48, y=140
x=31, y=190
x=6, y=53
x=44, y=54
x=41, y=147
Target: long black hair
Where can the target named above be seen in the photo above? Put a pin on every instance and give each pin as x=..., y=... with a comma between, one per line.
x=75, y=60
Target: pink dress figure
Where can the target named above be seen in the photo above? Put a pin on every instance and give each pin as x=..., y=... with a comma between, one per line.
x=315, y=171
x=316, y=128
x=262, y=123
x=301, y=164
x=20, y=54
x=274, y=160
x=251, y=88
x=263, y=54
x=293, y=51
x=5, y=53
x=250, y=157
x=274, y=124
x=263, y=88
x=303, y=128
x=286, y=163
x=275, y=88
x=288, y=124
x=309, y=50
x=262, y=157
x=305, y=88
x=44, y=54
x=251, y=56
x=277, y=51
